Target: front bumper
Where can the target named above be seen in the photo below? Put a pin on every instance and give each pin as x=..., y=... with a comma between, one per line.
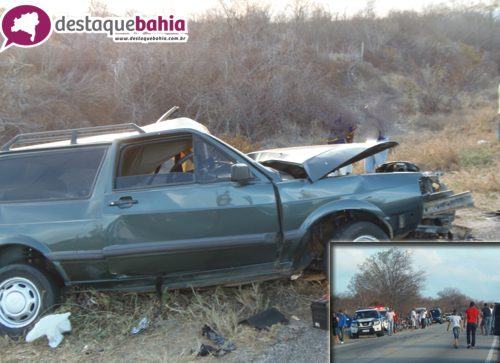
x=368, y=330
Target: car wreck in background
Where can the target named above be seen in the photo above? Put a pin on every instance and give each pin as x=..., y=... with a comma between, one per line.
x=169, y=205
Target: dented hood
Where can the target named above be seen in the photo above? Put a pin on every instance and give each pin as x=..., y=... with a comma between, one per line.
x=318, y=161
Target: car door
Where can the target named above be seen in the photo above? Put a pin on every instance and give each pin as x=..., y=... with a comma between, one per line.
x=174, y=209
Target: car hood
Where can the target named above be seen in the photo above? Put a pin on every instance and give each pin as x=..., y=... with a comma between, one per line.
x=321, y=160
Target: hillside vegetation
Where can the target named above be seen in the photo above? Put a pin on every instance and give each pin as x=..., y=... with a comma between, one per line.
x=275, y=80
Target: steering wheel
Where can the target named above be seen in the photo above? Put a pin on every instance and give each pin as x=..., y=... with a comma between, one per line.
x=178, y=165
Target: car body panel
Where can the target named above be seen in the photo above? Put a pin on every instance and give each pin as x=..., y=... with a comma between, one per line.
x=386, y=196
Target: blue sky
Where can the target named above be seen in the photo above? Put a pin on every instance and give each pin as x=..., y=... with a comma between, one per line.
x=474, y=270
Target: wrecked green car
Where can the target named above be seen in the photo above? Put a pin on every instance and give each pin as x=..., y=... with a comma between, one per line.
x=132, y=208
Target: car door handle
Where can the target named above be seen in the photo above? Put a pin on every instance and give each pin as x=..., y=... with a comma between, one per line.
x=124, y=202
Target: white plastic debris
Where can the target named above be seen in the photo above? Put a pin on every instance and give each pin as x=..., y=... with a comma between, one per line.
x=482, y=142
x=52, y=326
x=141, y=326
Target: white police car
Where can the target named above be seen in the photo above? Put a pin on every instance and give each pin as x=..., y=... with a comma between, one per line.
x=367, y=321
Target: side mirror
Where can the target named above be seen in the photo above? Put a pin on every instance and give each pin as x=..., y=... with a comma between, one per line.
x=240, y=173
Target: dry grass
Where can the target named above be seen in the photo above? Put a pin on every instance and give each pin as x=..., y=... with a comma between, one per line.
x=102, y=322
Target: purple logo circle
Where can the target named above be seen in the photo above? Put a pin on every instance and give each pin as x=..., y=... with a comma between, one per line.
x=25, y=26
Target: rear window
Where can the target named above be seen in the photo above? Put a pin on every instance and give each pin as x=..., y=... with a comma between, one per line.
x=48, y=176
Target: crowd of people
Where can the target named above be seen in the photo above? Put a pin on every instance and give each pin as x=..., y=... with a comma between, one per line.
x=423, y=318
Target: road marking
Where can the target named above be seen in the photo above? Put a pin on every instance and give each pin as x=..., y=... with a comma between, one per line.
x=415, y=342
x=393, y=350
x=493, y=348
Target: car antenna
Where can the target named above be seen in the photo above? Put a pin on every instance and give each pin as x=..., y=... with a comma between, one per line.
x=169, y=113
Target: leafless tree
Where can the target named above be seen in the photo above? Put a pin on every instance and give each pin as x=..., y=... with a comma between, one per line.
x=389, y=276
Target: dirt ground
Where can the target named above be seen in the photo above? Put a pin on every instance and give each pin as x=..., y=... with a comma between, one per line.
x=484, y=225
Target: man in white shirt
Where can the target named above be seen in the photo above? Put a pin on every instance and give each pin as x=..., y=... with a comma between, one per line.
x=423, y=315
x=457, y=324
x=413, y=319
x=390, y=320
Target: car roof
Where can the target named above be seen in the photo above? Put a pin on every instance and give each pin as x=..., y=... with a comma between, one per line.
x=99, y=135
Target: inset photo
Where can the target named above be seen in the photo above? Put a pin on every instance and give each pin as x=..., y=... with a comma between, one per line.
x=414, y=302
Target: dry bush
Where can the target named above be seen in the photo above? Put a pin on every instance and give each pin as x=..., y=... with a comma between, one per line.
x=101, y=322
x=248, y=71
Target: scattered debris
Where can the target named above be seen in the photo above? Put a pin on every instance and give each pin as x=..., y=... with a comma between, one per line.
x=482, y=142
x=459, y=233
x=95, y=351
x=141, y=326
x=218, y=339
x=52, y=326
x=319, y=310
x=294, y=317
x=209, y=350
x=491, y=215
x=265, y=319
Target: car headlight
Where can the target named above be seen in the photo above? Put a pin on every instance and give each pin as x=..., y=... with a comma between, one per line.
x=354, y=325
x=376, y=323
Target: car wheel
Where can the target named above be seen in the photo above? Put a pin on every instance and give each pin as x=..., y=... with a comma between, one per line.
x=381, y=334
x=26, y=292
x=359, y=232
x=355, y=335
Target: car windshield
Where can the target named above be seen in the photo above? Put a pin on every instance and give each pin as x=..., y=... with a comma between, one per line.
x=370, y=314
x=435, y=312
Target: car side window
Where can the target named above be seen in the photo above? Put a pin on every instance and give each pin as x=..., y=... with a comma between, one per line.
x=156, y=163
x=47, y=176
x=211, y=164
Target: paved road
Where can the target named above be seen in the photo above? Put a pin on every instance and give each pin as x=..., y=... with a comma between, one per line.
x=429, y=345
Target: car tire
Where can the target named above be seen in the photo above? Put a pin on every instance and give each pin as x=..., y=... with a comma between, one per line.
x=359, y=232
x=355, y=335
x=26, y=293
x=381, y=334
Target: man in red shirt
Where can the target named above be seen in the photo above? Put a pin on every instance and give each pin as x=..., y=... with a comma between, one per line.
x=471, y=322
x=395, y=321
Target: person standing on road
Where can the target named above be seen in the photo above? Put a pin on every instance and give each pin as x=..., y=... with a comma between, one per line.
x=422, y=318
x=413, y=319
x=457, y=324
x=390, y=321
x=429, y=317
x=395, y=321
x=486, y=313
x=335, y=326
x=342, y=326
x=491, y=318
x=471, y=322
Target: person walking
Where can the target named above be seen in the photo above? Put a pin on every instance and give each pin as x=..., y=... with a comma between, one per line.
x=457, y=325
x=342, y=326
x=390, y=321
x=486, y=313
x=413, y=319
x=471, y=322
x=429, y=317
x=335, y=327
x=422, y=318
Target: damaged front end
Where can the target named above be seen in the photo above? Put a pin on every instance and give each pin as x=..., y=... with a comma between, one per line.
x=440, y=202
